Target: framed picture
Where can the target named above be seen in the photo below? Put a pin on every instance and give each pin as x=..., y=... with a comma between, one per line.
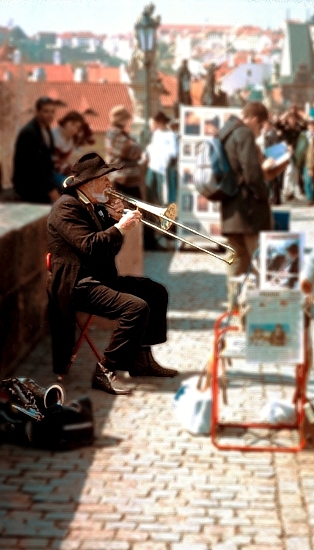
x=211, y=125
x=281, y=258
x=192, y=123
x=202, y=204
x=187, y=171
x=187, y=149
x=275, y=326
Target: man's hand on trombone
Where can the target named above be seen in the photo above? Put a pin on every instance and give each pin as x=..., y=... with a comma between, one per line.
x=128, y=219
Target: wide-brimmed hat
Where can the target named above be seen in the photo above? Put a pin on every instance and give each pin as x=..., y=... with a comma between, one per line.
x=119, y=115
x=161, y=117
x=88, y=167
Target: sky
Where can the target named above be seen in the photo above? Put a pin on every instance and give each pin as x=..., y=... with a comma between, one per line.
x=112, y=16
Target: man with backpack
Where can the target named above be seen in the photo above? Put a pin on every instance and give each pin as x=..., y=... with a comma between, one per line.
x=247, y=213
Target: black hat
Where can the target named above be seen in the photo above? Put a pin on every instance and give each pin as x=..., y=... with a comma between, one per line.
x=161, y=117
x=88, y=167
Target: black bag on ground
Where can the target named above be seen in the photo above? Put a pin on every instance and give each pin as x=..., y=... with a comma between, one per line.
x=65, y=427
x=36, y=416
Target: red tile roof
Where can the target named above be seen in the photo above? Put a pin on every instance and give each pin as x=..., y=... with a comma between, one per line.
x=79, y=96
x=249, y=30
x=98, y=73
x=54, y=73
x=78, y=34
x=194, y=28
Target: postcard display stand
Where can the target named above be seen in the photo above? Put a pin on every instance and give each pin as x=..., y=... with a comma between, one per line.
x=274, y=344
x=195, y=211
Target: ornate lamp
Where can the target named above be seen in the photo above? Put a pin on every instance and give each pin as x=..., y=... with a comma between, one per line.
x=146, y=36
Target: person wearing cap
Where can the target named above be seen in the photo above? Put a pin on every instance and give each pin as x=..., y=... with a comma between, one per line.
x=33, y=157
x=122, y=149
x=84, y=234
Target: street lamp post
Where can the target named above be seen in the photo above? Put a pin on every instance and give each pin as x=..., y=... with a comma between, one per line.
x=146, y=36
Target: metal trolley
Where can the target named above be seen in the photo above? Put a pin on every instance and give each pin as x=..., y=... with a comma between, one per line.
x=221, y=356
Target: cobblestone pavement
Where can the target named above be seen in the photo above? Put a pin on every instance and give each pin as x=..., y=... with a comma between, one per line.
x=146, y=484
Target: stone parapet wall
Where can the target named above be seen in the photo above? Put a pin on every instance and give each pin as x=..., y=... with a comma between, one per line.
x=23, y=299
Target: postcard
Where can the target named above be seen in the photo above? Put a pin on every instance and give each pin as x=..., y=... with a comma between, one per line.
x=281, y=259
x=275, y=326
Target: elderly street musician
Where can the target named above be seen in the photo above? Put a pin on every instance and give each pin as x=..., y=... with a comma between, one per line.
x=85, y=232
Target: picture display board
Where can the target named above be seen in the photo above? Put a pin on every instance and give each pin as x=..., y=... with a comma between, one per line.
x=194, y=211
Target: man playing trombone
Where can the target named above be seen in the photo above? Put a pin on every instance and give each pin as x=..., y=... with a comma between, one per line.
x=85, y=233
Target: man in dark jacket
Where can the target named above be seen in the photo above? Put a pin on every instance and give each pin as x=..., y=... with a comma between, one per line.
x=33, y=156
x=83, y=240
x=248, y=213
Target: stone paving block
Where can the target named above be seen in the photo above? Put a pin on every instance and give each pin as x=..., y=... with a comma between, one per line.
x=131, y=536
x=298, y=543
x=267, y=539
x=165, y=537
x=105, y=545
x=224, y=546
x=8, y=542
x=150, y=546
x=190, y=546
x=66, y=545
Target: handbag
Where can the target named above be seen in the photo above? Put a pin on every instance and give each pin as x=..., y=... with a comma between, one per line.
x=192, y=404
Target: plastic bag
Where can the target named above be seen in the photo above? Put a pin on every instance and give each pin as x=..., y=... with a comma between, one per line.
x=192, y=405
x=277, y=412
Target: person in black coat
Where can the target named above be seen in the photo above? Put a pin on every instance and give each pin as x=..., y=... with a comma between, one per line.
x=248, y=213
x=83, y=240
x=33, y=157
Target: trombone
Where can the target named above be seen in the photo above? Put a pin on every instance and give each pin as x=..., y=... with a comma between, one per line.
x=167, y=219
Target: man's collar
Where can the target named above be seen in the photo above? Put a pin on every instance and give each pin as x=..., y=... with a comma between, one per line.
x=83, y=197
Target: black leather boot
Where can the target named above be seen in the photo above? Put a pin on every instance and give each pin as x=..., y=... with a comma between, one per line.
x=104, y=380
x=146, y=365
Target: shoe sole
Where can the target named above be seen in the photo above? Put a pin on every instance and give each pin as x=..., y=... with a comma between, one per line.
x=111, y=392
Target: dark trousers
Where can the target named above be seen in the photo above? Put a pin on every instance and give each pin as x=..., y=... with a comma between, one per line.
x=140, y=307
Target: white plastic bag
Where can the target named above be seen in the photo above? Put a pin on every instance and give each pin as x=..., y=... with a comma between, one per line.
x=277, y=412
x=192, y=405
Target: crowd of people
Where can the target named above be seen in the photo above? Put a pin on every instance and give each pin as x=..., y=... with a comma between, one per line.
x=42, y=155
x=296, y=130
